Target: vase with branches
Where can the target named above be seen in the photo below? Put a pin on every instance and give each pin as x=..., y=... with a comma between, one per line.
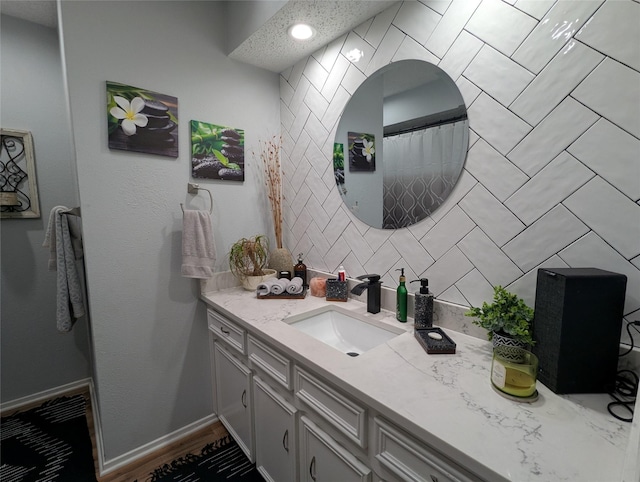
x=270, y=157
x=280, y=259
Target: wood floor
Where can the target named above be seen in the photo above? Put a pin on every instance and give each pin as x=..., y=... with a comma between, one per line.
x=141, y=469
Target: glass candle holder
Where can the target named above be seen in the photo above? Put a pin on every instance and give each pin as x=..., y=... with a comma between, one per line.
x=514, y=371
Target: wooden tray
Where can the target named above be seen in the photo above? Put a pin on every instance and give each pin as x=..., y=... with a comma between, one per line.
x=283, y=296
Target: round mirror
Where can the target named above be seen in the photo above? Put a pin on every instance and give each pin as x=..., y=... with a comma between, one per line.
x=400, y=144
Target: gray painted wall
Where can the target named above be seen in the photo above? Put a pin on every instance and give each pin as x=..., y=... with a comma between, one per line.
x=150, y=330
x=35, y=356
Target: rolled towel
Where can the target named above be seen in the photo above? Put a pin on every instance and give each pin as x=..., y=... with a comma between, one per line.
x=264, y=288
x=294, y=287
x=279, y=286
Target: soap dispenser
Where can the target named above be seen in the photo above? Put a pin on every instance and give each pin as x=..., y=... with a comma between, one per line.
x=401, y=298
x=423, y=308
x=300, y=270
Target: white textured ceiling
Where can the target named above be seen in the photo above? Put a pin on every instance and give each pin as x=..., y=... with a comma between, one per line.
x=42, y=12
x=271, y=48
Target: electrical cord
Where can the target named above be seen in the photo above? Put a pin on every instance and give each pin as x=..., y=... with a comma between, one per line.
x=626, y=387
x=625, y=390
x=633, y=324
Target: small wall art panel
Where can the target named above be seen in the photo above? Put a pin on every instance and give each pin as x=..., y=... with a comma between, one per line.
x=18, y=186
x=217, y=152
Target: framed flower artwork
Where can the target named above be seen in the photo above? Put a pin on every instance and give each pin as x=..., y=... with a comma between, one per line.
x=362, y=152
x=141, y=120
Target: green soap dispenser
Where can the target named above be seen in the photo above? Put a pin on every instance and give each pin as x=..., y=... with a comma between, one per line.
x=401, y=298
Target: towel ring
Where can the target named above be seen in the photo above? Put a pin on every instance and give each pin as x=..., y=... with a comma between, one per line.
x=193, y=188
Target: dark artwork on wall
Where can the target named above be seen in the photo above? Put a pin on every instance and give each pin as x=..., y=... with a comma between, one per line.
x=362, y=153
x=217, y=152
x=141, y=120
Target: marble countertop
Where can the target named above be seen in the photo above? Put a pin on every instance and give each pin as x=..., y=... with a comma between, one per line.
x=447, y=400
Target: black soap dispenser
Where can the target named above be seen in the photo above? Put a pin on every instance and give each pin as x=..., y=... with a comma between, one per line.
x=423, y=308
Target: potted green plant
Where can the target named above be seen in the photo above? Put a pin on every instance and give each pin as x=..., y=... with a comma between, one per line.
x=508, y=320
x=248, y=259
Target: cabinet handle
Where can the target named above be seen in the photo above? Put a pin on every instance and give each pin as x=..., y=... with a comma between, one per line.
x=224, y=330
x=312, y=468
x=285, y=440
x=243, y=399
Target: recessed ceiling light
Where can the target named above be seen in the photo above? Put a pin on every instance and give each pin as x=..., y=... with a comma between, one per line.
x=302, y=31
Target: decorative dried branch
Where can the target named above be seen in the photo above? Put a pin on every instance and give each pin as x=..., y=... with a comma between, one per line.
x=270, y=157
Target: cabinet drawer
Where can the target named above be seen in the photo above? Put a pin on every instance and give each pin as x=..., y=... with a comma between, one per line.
x=344, y=414
x=227, y=331
x=270, y=361
x=411, y=460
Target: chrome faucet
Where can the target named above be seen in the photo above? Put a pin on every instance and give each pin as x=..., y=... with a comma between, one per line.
x=373, y=287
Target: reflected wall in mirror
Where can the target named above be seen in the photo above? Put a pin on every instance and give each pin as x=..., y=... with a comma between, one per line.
x=415, y=115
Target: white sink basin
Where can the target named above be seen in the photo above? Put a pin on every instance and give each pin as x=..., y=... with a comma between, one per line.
x=344, y=330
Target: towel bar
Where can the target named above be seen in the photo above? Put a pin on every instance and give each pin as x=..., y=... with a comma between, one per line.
x=193, y=188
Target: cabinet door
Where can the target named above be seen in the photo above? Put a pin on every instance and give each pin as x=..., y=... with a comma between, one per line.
x=276, y=447
x=233, y=396
x=322, y=459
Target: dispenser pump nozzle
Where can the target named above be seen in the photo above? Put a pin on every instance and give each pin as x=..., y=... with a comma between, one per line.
x=424, y=285
x=402, y=278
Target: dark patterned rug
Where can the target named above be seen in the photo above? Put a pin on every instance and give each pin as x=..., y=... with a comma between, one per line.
x=47, y=443
x=222, y=460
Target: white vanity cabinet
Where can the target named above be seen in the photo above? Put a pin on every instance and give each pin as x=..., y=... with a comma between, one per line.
x=322, y=459
x=297, y=425
x=276, y=434
x=408, y=459
x=233, y=397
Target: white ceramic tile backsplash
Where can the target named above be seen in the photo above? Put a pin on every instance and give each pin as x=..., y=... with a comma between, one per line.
x=568, y=68
x=498, y=75
x=494, y=171
x=558, y=27
x=496, y=124
x=614, y=31
x=611, y=153
x=554, y=134
x=612, y=91
x=552, y=176
x=557, y=180
x=417, y=20
x=500, y=25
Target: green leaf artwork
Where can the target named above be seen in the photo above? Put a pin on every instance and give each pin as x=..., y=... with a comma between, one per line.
x=217, y=152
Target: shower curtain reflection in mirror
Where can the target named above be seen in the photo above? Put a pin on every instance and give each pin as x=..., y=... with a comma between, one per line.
x=412, y=192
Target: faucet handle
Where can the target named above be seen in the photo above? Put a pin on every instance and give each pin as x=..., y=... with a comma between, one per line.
x=373, y=278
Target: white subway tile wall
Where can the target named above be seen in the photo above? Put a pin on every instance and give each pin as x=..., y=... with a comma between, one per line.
x=552, y=177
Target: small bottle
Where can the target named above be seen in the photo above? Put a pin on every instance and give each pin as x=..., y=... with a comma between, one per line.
x=300, y=270
x=342, y=274
x=401, y=298
x=423, y=308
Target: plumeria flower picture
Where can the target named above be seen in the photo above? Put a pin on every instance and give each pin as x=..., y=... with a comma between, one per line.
x=362, y=152
x=141, y=120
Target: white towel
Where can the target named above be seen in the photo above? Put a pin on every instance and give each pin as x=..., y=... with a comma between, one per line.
x=279, y=286
x=58, y=238
x=75, y=230
x=198, y=250
x=294, y=287
x=264, y=288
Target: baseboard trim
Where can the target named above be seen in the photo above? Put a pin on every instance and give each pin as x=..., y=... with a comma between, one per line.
x=47, y=394
x=108, y=466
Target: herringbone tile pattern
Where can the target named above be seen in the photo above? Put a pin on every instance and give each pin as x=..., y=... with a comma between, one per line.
x=552, y=177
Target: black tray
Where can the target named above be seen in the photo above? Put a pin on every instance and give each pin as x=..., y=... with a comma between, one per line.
x=446, y=346
x=283, y=296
